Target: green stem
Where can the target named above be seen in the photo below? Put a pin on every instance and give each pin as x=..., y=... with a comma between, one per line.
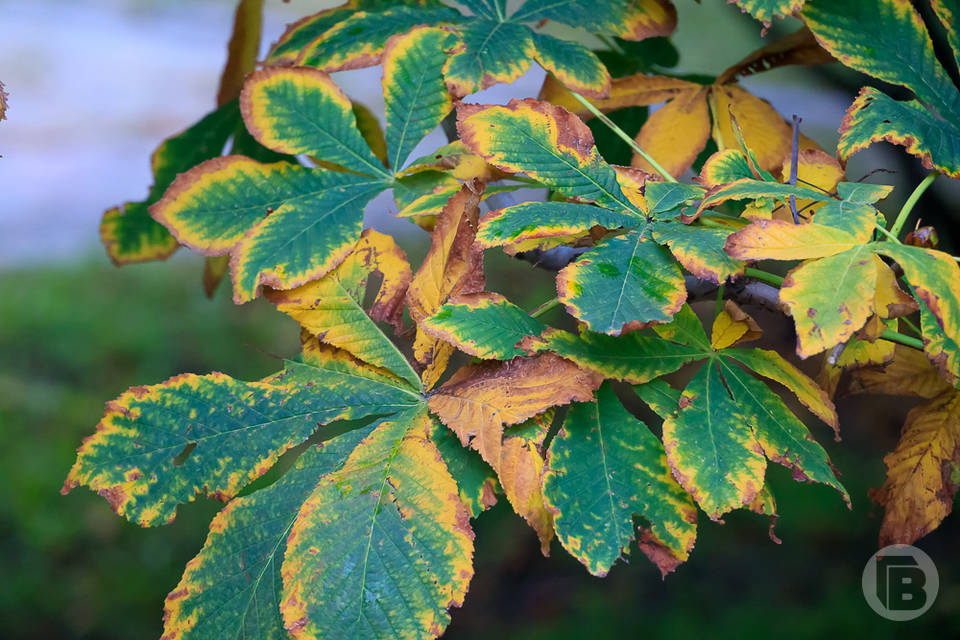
x=720, y=293
x=763, y=276
x=912, y=326
x=546, y=306
x=610, y=43
x=911, y=201
x=623, y=135
x=894, y=336
x=890, y=236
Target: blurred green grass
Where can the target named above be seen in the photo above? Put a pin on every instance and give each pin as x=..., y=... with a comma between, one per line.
x=75, y=335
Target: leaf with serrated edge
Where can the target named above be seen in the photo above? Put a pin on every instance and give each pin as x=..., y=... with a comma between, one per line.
x=831, y=298
x=477, y=64
x=663, y=399
x=765, y=133
x=414, y=94
x=477, y=481
x=382, y=547
x=573, y=64
x=330, y=308
x=302, y=111
x=875, y=117
x=633, y=20
x=603, y=468
x=631, y=91
x=711, y=445
x=480, y=399
x=782, y=240
x=766, y=10
x=624, y=283
x=231, y=432
x=699, y=249
x=772, y=365
x=231, y=588
x=634, y=357
x=536, y=220
x=520, y=470
x=485, y=325
x=547, y=143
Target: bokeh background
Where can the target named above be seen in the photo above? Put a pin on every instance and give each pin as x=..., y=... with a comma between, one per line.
x=94, y=86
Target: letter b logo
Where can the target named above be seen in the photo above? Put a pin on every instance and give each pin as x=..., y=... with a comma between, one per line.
x=900, y=582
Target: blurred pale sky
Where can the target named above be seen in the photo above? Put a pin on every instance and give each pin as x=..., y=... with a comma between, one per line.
x=95, y=85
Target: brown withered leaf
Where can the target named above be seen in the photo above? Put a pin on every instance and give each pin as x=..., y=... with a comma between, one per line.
x=920, y=486
x=452, y=267
x=480, y=400
x=799, y=47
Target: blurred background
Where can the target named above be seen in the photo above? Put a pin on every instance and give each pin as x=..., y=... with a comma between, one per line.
x=94, y=86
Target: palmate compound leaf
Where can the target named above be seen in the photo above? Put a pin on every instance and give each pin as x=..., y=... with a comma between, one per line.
x=888, y=40
x=485, y=325
x=330, y=307
x=604, y=467
x=726, y=424
x=382, y=547
x=162, y=445
x=231, y=589
x=920, y=485
x=453, y=266
x=480, y=400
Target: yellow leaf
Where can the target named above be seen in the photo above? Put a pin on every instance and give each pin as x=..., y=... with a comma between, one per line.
x=676, y=133
x=783, y=240
x=733, y=326
x=630, y=91
x=910, y=374
x=815, y=168
x=764, y=131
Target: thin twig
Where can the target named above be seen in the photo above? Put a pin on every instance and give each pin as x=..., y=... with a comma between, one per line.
x=794, y=161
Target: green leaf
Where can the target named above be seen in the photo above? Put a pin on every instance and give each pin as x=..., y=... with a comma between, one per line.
x=782, y=437
x=634, y=357
x=875, y=117
x=128, y=232
x=663, y=399
x=382, y=547
x=476, y=480
x=485, y=325
x=491, y=9
x=624, y=282
x=711, y=445
x=941, y=349
x=304, y=31
x=536, y=220
x=231, y=589
x=686, y=328
x=863, y=192
x=887, y=40
x=358, y=41
x=546, y=142
x=948, y=11
x=572, y=64
x=634, y=20
x=492, y=52
x=604, y=467
x=415, y=96
x=302, y=111
x=699, y=249
x=664, y=197
x=162, y=445
x=830, y=298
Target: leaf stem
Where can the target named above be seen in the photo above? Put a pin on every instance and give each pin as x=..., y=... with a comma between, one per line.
x=546, y=306
x=623, y=136
x=763, y=276
x=911, y=202
x=890, y=236
x=912, y=326
x=893, y=336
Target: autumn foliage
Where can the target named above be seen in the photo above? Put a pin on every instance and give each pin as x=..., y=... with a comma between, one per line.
x=387, y=452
